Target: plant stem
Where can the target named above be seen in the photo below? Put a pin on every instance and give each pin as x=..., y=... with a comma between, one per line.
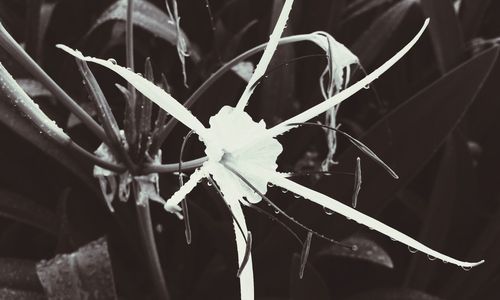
x=148, y=241
x=130, y=108
x=118, y=144
x=170, y=168
x=143, y=212
x=17, y=52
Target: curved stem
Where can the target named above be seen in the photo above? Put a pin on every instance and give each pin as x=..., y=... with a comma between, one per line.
x=171, y=168
x=17, y=52
x=148, y=241
x=118, y=168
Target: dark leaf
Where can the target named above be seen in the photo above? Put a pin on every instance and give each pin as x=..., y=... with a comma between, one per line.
x=394, y=294
x=453, y=177
x=38, y=16
x=484, y=111
x=11, y=294
x=19, y=274
x=464, y=285
x=147, y=17
x=373, y=41
x=445, y=31
x=84, y=274
x=337, y=8
x=18, y=208
x=471, y=16
x=357, y=8
x=364, y=249
x=35, y=127
x=311, y=286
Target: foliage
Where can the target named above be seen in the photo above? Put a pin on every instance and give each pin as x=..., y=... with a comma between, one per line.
x=432, y=118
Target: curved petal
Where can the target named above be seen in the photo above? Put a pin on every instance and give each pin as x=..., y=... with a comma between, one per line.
x=267, y=55
x=172, y=204
x=246, y=275
x=348, y=212
x=338, y=98
x=148, y=89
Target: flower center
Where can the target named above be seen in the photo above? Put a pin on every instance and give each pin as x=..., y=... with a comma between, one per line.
x=235, y=140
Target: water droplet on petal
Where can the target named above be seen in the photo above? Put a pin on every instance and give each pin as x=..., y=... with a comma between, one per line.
x=112, y=60
x=284, y=191
x=209, y=183
x=430, y=257
x=296, y=196
x=468, y=268
x=328, y=211
x=276, y=211
x=412, y=250
x=366, y=87
x=270, y=184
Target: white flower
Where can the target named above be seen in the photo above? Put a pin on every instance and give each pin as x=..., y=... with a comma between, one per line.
x=237, y=146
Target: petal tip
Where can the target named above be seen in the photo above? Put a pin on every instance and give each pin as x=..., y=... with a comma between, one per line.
x=479, y=262
x=68, y=50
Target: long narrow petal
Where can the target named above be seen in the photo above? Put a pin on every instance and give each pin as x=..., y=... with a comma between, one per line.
x=331, y=102
x=348, y=212
x=267, y=55
x=148, y=89
x=181, y=193
x=246, y=276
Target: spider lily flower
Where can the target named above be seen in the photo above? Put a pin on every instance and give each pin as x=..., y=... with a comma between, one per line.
x=239, y=148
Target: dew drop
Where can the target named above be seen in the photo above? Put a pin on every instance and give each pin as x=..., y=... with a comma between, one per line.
x=444, y=261
x=284, y=191
x=412, y=250
x=392, y=239
x=209, y=183
x=296, y=196
x=468, y=268
x=430, y=257
x=276, y=211
x=112, y=60
x=270, y=185
x=366, y=87
x=328, y=211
